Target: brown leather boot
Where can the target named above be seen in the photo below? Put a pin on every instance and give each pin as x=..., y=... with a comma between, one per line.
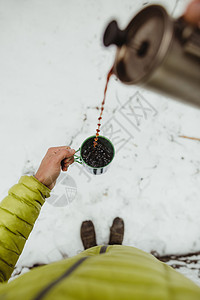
x=117, y=232
x=88, y=235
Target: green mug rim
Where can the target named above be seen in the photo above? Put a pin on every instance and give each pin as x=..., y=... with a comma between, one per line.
x=93, y=136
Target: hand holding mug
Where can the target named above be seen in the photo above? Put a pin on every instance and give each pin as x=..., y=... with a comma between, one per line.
x=56, y=158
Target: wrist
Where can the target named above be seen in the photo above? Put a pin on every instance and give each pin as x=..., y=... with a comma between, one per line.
x=40, y=179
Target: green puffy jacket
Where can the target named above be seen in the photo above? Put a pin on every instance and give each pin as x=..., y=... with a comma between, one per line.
x=113, y=272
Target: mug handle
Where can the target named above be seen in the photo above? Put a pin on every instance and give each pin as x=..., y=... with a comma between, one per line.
x=77, y=158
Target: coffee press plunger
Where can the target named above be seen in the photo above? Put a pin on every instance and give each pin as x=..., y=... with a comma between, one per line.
x=158, y=52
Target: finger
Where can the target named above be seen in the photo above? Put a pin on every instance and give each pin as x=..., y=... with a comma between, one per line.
x=64, y=169
x=192, y=13
x=71, y=161
x=65, y=153
x=68, y=160
x=58, y=149
x=66, y=165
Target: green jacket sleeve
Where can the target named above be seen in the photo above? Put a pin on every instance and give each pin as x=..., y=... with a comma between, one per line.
x=18, y=213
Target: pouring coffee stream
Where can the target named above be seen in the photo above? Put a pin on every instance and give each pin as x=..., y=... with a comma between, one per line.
x=97, y=152
x=102, y=107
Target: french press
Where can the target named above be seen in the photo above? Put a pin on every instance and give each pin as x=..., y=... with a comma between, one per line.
x=158, y=52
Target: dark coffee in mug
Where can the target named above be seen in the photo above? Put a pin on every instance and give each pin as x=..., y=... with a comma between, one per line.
x=96, y=160
x=98, y=156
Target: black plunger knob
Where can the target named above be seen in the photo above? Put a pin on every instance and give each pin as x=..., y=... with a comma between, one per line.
x=113, y=35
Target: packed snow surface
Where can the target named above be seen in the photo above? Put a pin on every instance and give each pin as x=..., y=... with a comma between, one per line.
x=53, y=72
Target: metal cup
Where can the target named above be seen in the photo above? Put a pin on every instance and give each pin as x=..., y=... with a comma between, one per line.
x=87, y=143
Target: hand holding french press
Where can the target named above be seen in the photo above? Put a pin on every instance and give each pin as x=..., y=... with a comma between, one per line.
x=192, y=13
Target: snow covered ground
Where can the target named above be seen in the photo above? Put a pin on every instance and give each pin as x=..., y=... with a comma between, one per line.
x=53, y=69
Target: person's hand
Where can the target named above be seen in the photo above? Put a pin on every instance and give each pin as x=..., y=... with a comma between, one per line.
x=50, y=167
x=192, y=13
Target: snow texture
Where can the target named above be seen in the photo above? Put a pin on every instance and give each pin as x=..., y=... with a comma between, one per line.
x=53, y=73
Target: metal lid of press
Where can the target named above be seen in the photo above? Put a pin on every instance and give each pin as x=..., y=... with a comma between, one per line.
x=142, y=45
